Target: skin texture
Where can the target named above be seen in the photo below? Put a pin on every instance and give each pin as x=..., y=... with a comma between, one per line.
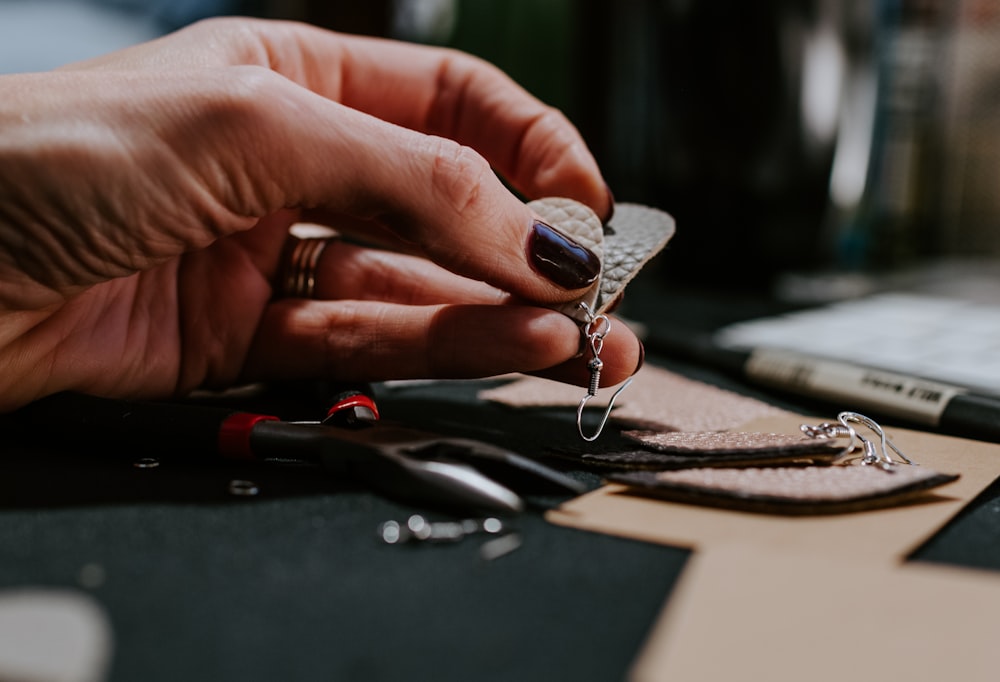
x=145, y=198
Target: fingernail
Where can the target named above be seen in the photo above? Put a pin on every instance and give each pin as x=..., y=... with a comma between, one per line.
x=611, y=205
x=560, y=259
x=642, y=358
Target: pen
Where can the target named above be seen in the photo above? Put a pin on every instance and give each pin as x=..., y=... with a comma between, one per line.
x=943, y=407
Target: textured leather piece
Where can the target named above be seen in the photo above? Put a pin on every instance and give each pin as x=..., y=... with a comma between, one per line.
x=657, y=399
x=635, y=234
x=733, y=442
x=789, y=490
x=647, y=460
x=685, y=450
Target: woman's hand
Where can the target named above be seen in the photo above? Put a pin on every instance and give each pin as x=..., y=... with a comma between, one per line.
x=145, y=198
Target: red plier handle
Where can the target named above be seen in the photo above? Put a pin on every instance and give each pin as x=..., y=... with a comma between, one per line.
x=351, y=406
x=396, y=461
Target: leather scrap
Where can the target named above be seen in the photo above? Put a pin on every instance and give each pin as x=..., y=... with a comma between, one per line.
x=788, y=490
x=662, y=450
x=732, y=442
x=634, y=235
x=657, y=400
x=631, y=238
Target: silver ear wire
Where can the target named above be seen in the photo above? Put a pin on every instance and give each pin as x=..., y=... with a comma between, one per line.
x=881, y=455
x=871, y=454
x=594, y=330
x=607, y=412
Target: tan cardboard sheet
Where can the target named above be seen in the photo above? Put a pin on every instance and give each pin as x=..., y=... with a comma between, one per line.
x=743, y=613
x=791, y=598
x=879, y=534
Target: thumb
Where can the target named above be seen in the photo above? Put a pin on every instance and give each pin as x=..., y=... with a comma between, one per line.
x=437, y=195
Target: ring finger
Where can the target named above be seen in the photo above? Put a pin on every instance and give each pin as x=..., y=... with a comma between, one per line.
x=346, y=271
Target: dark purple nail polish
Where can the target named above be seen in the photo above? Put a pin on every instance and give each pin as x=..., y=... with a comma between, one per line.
x=642, y=358
x=561, y=259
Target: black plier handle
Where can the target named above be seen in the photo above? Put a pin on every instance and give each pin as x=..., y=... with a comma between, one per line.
x=395, y=461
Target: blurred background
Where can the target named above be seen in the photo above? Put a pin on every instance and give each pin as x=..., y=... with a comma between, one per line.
x=804, y=146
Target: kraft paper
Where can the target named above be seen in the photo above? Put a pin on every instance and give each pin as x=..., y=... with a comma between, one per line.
x=881, y=534
x=743, y=612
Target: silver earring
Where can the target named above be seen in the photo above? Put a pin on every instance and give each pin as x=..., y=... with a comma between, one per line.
x=594, y=330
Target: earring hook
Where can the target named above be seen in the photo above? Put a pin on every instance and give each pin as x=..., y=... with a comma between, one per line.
x=604, y=418
x=872, y=457
x=872, y=454
x=594, y=330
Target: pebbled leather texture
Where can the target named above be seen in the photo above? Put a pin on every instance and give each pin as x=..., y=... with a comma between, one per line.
x=732, y=442
x=634, y=235
x=666, y=450
x=658, y=399
x=789, y=490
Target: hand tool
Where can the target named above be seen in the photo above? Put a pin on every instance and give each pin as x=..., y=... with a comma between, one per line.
x=402, y=463
x=353, y=406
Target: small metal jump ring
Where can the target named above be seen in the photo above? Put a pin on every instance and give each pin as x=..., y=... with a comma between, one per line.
x=601, y=331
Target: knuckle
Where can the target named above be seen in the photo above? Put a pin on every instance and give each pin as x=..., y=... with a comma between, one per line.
x=215, y=24
x=458, y=174
x=235, y=120
x=350, y=341
x=225, y=104
x=549, y=135
x=552, y=121
x=224, y=27
x=245, y=90
x=339, y=350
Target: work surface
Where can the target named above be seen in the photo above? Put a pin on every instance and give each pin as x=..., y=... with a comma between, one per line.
x=293, y=583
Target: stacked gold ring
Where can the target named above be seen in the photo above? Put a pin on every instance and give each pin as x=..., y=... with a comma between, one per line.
x=298, y=278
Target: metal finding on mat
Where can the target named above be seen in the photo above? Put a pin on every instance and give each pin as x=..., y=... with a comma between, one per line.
x=872, y=453
x=242, y=488
x=419, y=529
x=594, y=330
x=501, y=546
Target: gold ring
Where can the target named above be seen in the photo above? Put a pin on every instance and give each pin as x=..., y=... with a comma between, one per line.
x=298, y=277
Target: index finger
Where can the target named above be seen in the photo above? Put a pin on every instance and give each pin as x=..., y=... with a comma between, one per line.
x=432, y=90
x=454, y=95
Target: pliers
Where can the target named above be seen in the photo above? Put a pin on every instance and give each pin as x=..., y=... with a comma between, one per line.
x=352, y=442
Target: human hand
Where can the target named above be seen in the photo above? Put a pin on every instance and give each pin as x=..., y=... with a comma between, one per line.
x=145, y=198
